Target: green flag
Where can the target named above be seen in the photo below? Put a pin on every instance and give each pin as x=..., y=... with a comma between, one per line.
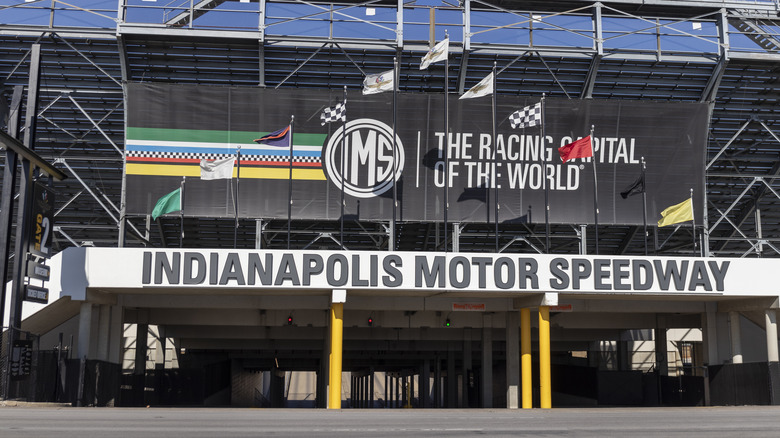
x=168, y=203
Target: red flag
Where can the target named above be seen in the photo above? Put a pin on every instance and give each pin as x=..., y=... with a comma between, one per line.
x=581, y=148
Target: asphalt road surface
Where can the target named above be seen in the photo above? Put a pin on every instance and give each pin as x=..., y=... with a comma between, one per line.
x=68, y=422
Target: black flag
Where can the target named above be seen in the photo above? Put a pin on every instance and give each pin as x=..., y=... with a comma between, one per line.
x=635, y=188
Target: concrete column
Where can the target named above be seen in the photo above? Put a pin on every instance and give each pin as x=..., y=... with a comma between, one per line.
x=623, y=353
x=661, y=355
x=116, y=339
x=159, y=349
x=736, y=338
x=487, y=361
x=425, y=383
x=141, y=342
x=387, y=389
x=710, y=334
x=85, y=330
x=705, y=342
x=466, y=367
x=452, y=377
x=352, y=390
x=104, y=332
x=323, y=375
x=364, y=391
x=398, y=396
x=404, y=390
x=437, y=402
x=371, y=389
x=512, y=359
x=770, y=317
x=85, y=335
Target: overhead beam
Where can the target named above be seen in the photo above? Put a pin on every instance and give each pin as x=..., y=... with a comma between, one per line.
x=9, y=143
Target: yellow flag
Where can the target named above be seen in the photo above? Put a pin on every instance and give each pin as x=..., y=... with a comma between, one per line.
x=677, y=213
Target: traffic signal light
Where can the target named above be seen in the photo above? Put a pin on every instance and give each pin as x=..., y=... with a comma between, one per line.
x=370, y=321
x=447, y=323
x=289, y=320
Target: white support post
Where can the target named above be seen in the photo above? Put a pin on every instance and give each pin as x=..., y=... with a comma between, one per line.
x=85, y=330
x=399, y=25
x=770, y=317
x=466, y=25
x=104, y=332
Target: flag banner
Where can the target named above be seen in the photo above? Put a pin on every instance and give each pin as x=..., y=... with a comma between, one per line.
x=677, y=213
x=483, y=88
x=171, y=128
x=527, y=117
x=581, y=148
x=636, y=188
x=279, y=138
x=217, y=169
x=437, y=53
x=378, y=83
x=336, y=114
x=167, y=204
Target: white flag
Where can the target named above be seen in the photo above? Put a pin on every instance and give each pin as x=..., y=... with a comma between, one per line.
x=438, y=53
x=483, y=88
x=378, y=83
x=217, y=169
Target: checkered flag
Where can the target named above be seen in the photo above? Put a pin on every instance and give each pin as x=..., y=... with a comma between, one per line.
x=526, y=117
x=334, y=114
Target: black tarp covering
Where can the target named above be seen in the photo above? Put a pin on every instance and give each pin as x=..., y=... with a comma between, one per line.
x=670, y=136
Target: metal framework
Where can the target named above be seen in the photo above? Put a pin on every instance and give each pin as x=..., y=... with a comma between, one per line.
x=723, y=52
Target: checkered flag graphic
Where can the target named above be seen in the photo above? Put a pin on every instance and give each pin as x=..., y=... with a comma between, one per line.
x=334, y=114
x=526, y=117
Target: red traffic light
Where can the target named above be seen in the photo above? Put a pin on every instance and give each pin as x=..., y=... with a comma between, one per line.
x=289, y=320
x=370, y=321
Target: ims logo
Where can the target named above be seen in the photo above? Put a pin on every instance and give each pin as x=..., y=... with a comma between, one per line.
x=366, y=166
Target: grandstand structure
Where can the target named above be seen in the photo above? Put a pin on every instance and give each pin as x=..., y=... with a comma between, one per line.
x=66, y=70
x=723, y=52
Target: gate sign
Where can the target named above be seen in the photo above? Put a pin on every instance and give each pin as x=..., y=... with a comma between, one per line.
x=43, y=220
x=36, y=294
x=21, y=359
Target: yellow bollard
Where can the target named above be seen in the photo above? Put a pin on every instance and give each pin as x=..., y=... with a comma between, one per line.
x=525, y=359
x=545, y=381
x=336, y=341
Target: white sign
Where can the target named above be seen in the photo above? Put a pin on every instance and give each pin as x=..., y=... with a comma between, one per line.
x=461, y=272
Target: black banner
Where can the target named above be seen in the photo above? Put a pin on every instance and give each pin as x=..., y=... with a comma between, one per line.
x=42, y=228
x=171, y=128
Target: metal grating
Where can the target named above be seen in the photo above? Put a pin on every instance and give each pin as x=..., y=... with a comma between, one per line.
x=82, y=72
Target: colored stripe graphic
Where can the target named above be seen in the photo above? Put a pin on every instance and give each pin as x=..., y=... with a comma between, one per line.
x=177, y=152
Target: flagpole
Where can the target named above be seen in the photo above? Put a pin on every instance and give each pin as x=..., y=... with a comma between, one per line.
x=181, y=211
x=235, y=204
x=289, y=184
x=391, y=244
x=644, y=201
x=693, y=221
x=495, y=157
x=544, y=181
x=595, y=190
x=343, y=172
x=446, y=144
